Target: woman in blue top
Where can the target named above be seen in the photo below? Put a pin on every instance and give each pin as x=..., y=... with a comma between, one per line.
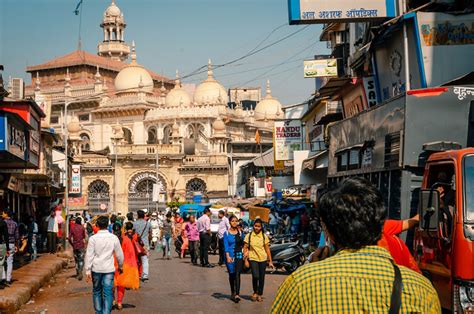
x=233, y=245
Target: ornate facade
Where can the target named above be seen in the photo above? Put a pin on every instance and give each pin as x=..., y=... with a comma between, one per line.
x=131, y=129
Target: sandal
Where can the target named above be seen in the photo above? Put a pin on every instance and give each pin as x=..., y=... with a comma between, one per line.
x=119, y=306
x=253, y=298
x=259, y=298
x=237, y=298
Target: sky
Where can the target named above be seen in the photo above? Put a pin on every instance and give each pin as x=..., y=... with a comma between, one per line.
x=171, y=35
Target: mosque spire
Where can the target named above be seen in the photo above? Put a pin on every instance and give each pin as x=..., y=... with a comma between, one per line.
x=209, y=69
x=134, y=54
x=177, y=81
x=268, y=91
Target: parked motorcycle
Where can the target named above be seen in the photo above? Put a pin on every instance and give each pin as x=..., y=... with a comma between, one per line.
x=289, y=256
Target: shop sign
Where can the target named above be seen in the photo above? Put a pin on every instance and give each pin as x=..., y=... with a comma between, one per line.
x=320, y=68
x=268, y=187
x=288, y=138
x=13, y=184
x=370, y=91
x=16, y=141
x=325, y=11
x=75, y=187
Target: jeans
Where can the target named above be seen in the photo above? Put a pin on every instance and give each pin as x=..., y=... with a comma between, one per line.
x=205, y=239
x=52, y=242
x=34, y=248
x=145, y=266
x=273, y=228
x=167, y=245
x=3, y=256
x=234, y=277
x=194, y=251
x=8, y=275
x=221, y=252
x=258, y=276
x=103, y=296
x=79, y=258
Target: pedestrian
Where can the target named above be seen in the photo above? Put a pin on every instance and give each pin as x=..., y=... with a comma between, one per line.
x=273, y=223
x=233, y=245
x=184, y=238
x=113, y=220
x=52, y=232
x=204, y=228
x=295, y=223
x=257, y=251
x=155, y=231
x=287, y=224
x=167, y=233
x=315, y=228
x=13, y=240
x=305, y=226
x=129, y=278
x=193, y=238
x=221, y=230
x=130, y=217
x=4, y=247
x=77, y=238
x=178, y=225
x=361, y=276
x=143, y=228
x=100, y=267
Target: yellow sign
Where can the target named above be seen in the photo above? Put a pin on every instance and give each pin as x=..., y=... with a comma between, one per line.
x=279, y=165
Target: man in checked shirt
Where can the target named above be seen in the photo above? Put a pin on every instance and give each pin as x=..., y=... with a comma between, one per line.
x=360, y=277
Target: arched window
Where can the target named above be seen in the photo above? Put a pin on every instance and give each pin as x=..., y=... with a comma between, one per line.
x=152, y=136
x=145, y=186
x=195, y=131
x=127, y=136
x=195, y=185
x=167, y=134
x=85, y=142
x=98, y=193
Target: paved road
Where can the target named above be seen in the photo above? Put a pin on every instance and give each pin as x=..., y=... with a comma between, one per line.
x=175, y=286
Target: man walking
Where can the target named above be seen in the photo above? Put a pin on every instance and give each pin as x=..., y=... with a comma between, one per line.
x=143, y=229
x=13, y=239
x=204, y=228
x=4, y=246
x=222, y=229
x=193, y=238
x=52, y=230
x=77, y=238
x=361, y=277
x=100, y=265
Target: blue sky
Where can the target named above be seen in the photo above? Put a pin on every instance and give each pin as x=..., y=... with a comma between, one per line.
x=170, y=35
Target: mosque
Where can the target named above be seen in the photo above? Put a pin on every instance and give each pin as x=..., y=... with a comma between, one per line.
x=141, y=139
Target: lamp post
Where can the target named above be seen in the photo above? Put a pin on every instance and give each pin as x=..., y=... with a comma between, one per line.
x=116, y=138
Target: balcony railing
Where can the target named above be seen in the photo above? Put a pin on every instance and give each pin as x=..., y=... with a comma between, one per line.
x=166, y=149
x=214, y=160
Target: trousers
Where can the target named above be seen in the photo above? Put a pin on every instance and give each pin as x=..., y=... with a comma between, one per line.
x=205, y=240
x=258, y=276
x=102, y=292
x=52, y=242
x=194, y=251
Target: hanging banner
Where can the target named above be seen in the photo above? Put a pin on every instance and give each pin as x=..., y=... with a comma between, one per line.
x=288, y=138
x=320, y=68
x=325, y=11
x=75, y=187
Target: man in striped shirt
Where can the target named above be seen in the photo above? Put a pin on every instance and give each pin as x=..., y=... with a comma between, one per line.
x=359, y=278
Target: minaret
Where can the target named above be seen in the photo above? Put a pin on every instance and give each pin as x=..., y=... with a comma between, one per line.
x=113, y=46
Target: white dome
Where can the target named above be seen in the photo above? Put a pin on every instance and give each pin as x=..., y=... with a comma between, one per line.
x=133, y=78
x=269, y=107
x=218, y=125
x=112, y=10
x=177, y=96
x=210, y=91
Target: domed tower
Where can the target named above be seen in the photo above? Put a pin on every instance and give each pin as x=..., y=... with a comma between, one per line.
x=210, y=91
x=133, y=78
x=269, y=108
x=113, y=46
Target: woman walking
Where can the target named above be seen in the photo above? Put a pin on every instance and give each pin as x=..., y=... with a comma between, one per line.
x=129, y=278
x=257, y=251
x=167, y=233
x=233, y=245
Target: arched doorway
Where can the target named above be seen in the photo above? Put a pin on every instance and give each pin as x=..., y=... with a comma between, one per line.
x=140, y=191
x=195, y=186
x=98, y=193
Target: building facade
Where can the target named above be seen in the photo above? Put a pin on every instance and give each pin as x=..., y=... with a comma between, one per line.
x=141, y=139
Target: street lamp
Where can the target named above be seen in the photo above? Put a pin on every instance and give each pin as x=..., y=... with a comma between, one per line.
x=116, y=138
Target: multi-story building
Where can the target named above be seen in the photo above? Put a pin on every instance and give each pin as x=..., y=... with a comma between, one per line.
x=131, y=129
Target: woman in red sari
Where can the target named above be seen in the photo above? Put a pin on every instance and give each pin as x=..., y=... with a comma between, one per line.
x=129, y=278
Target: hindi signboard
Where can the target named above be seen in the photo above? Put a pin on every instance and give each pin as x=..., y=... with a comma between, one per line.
x=320, y=68
x=325, y=11
x=288, y=138
x=75, y=187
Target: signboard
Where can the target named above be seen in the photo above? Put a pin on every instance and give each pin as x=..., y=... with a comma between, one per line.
x=75, y=187
x=279, y=165
x=13, y=184
x=44, y=102
x=288, y=138
x=370, y=91
x=320, y=68
x=268, y=187
x=16, y=141
x=324, y=11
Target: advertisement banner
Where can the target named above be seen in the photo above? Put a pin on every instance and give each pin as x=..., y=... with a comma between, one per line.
x=288, y=138
x=320, y=68
x=370, y=91
x=325, y=11
x=75, y=187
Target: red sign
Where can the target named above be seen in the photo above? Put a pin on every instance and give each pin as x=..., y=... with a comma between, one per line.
x=268, y=187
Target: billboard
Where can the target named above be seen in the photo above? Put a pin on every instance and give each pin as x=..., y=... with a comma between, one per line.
x=320, y=68
x=288, y=138
x=75, y=187
x=325, y=11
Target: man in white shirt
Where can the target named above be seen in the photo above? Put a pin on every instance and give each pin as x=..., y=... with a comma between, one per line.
x=100, y=267
x=204, y=228
x=223, y=227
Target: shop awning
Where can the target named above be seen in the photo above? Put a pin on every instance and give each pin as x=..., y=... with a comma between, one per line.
x=333, y=85
x=311, y=162
x=356, y=146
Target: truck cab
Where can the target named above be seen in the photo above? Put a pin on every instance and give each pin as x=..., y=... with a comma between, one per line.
x=444, y=240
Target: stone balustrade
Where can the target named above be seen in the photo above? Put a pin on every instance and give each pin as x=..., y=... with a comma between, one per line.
x=132, y=149
x=217, y=160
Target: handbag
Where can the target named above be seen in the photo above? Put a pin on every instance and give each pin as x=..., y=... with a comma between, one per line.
x=139, y=249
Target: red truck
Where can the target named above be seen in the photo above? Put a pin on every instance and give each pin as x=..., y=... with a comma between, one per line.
x=444, y=240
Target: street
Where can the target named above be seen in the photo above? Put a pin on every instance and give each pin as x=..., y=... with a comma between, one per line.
x=175, y=286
